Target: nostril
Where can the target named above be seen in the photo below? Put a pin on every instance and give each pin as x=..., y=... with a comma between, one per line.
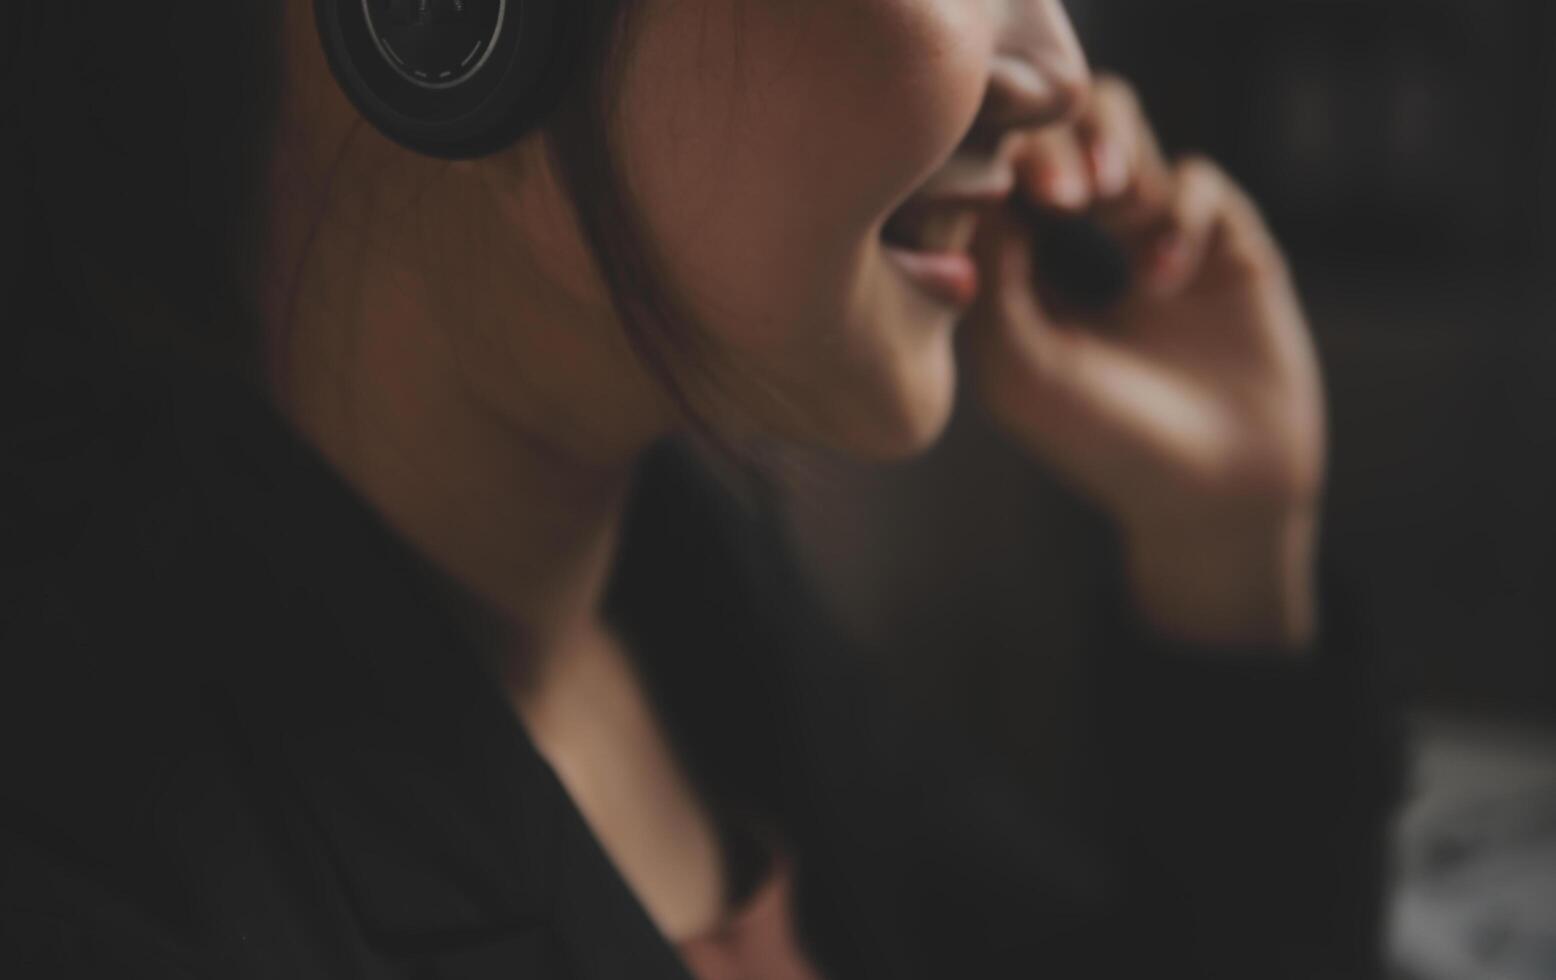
x=1039, y=75
x=1023, y=95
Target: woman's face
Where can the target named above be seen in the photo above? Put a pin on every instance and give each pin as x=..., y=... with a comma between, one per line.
x=770, y=143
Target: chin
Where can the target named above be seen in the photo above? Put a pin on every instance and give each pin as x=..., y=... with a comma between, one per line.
x=909, y=416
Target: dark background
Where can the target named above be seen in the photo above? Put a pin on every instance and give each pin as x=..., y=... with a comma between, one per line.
x=1405, y=152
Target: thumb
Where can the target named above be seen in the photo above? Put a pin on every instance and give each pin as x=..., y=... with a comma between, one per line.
x=1010, y=337
x=1026, y=365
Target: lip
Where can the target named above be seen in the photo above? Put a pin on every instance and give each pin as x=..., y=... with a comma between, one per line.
x=951, y=277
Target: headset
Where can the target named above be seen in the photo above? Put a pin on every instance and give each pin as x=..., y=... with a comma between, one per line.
x=454, y=79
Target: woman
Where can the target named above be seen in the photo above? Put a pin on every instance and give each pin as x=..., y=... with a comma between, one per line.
x=377, y=617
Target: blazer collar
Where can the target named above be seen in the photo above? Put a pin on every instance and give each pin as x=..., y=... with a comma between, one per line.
x=451, y=836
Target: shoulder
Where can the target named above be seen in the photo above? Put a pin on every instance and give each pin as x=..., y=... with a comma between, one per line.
x=126, y=785
x=56, y=924
x=234, y=721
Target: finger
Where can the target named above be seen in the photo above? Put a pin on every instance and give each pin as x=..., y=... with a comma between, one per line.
x=1090, y=407
x=1212, y=233
x=1241, y=245
x=1008, y=309
x=1172, y=255
x=1052, y=170
x=1133, y=180
x=1119, y=145
x=1011, y=341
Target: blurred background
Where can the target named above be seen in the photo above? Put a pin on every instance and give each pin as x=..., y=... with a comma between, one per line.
x=1405, y=152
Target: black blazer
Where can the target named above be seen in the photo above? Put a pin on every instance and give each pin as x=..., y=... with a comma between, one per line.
x=243, y=735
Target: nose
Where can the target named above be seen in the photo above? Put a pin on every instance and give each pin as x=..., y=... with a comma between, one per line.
x=1039, y=75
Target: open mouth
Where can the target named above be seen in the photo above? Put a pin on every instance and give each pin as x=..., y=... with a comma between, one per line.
x=928, y=229
x=930, y=245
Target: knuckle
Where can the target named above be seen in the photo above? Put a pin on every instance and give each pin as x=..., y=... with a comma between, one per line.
x=1030, y=143
x=1196, y=168
x=1249, y=257
x=1047, y=145
x=1244, y=264
x=1115, y=91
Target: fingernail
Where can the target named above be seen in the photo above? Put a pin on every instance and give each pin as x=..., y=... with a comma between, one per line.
x=1112, y=172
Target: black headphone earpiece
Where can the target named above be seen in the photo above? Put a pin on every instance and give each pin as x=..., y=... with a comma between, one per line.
x=452, y=78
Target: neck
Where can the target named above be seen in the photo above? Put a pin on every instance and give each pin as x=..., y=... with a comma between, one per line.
x=489, y=411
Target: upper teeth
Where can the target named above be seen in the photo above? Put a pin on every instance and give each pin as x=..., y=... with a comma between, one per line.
x=935, y=231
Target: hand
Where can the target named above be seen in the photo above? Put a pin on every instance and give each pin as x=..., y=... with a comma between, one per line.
x=1192, y=411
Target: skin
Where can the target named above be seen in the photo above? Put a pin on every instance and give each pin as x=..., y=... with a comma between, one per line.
x=1194, y=410
x=444, y=339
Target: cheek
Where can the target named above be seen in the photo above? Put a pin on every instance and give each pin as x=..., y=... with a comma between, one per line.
x=766, y=142
x=912, y=86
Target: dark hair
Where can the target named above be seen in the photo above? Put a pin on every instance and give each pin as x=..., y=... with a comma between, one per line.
x=136, y=141
x=656, y=320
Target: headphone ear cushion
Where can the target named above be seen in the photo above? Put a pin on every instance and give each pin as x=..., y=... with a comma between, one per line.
x=452, y=78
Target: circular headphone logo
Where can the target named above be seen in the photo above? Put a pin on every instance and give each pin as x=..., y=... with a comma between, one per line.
x=452, y=78
x=436, y=44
